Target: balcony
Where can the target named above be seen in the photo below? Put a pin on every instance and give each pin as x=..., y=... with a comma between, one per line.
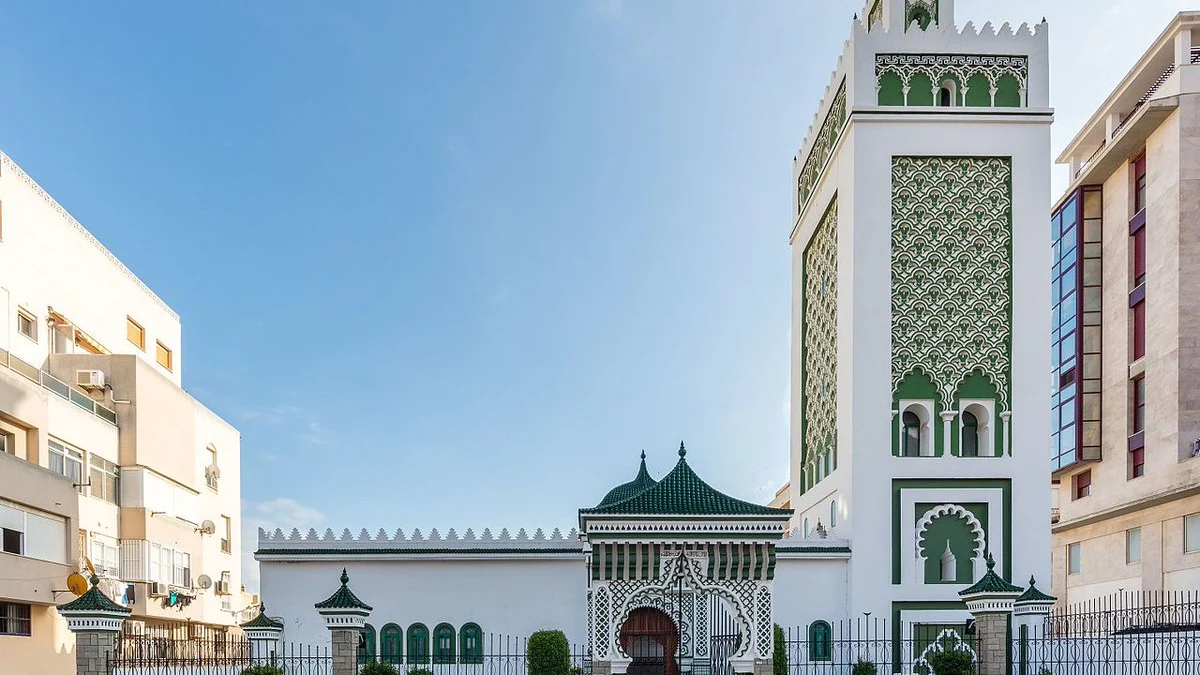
x=57, y=386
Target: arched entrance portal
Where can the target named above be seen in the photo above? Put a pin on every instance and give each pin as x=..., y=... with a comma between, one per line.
x=651, y=640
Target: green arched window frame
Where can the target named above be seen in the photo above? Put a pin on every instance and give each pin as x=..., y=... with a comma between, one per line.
x=471, y=643
x=443, y=643
x=820, y=641
x=970, y=435
x=391, y=644
x=418, y=643
x=366, y=644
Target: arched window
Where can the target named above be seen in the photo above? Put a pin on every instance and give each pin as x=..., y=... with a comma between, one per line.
x=949, y=565
x=443, y=643
x=912, y=434
x=970, y=435
x=366, y=644
x=833, y=514
x=820, y=641
x=418, y=643
x=391, y=641
x=806, y=527
x=471, y=637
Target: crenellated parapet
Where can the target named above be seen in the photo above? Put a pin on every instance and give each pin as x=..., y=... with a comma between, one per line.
x=277, y=542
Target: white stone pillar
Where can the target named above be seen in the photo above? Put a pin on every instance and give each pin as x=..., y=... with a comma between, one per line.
x=345, y=617
x=96, y=622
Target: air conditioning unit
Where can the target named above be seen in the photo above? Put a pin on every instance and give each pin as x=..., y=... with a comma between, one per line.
x=89, y=380
x=157, y=589
x=222, y=588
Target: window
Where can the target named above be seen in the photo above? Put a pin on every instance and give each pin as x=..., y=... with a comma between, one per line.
x=1133, y=546
x=820, y=641
x=163, y=355
x=391, y=640
x=66, y=461
x=1138, y=310
x=366, y=644
x=104, y=478
x=1137, y=462
x=1139, y=184
x=27, y=325
x=1073, y=558
x=211, y=473
x=1083, y=484
x=13, y=541
x=181, y=574
x=806, y=527
x=472, y=643
x=1139, y=256
x=227, y=540
x=443, y=643
x=1137, y=427
x=105, y=556
x=8, y=442
x=135, y=333
x=1138, y=421
x=14, y=619
x=833, y=513
x=418, y=643
x=912, y=434
x=1191, y=533
x=970, y=435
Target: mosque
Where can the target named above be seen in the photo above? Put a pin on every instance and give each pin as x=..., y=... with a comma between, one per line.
x=919, y=410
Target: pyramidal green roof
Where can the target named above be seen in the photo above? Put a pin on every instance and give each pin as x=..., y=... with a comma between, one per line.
x=991, y=582
x=262, y=620
x=1033, y=594
x=682, y=492
x=624, y=491
x=94, y=600
x=343, y=598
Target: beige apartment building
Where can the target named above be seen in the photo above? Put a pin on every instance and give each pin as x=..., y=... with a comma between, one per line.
x=1126, y=444
x=103, y=454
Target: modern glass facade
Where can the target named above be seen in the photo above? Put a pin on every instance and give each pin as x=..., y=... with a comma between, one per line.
x=1075, y=228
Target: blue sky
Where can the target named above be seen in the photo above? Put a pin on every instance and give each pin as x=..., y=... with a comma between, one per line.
x=456, y=264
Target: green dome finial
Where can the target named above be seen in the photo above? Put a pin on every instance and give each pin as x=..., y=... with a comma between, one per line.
x=345, y=577
x=682, y=450
x=643, y=455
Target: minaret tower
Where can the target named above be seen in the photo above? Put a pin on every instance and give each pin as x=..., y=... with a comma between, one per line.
x=921, y=257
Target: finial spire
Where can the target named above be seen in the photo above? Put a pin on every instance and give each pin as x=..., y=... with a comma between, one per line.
x=682, y=450
x=643, y=455
x=345, y=577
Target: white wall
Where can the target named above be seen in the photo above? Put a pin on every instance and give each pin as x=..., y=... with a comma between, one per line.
x=514, y=596
x=808, y=589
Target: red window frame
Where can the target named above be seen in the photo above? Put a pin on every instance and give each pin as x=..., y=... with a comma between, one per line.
x=1138, y=244
x=1139, y=328
x=1138, y=421
x=1083, y=484
x=1137, y=463
x=1139, y=183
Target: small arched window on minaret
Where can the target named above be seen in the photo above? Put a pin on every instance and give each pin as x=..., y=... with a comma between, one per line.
x=912, y=434
x=946, y=94
x=949, y=565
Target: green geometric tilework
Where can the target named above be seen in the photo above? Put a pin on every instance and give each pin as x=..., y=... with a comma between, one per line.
x=820, y=337
x=952, y=271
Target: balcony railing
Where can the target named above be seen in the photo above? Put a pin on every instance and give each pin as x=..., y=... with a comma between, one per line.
x=51, y=383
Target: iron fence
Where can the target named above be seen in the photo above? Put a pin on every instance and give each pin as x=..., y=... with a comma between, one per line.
x=498, y=655
x=138, y=655
x=1125, y=611
x=824, y=648
x=1162, y=651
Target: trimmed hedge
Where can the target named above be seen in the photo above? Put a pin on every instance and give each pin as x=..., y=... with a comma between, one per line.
x=864, y=667
x=263, y=670
x=378, y=668
x=548, y=653
x=779, y=657
x=952, y=662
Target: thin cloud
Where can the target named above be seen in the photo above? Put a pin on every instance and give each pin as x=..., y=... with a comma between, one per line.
x=282, y=513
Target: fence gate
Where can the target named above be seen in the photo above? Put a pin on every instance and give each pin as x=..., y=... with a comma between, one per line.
x=724, y=639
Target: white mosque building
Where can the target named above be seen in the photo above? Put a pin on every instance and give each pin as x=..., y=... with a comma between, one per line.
x=919, y=413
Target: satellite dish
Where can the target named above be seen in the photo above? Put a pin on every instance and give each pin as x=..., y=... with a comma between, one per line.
x=76, y=583
x=204, y=581
x=88, y=561
x=208, y=527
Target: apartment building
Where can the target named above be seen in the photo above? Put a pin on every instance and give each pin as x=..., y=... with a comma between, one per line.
x=103, y=454
x=1126, y=341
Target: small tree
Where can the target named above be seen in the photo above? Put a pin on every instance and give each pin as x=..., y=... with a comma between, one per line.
x=779, y=658
x=548, y=653
x=378, y=668
x=951, y=662
x=863, y=667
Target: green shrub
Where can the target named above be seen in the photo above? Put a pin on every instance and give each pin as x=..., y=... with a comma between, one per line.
x=951, y=662
x=779, y=664
x=548, y=653
x=420, y=671
x=377, y=668
x=864, y=667
x=263, y=670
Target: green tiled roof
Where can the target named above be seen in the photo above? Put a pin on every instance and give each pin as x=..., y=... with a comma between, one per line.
x=682, y=492
x=1032, y=594
x=638, y=485
x=262, y=620
x=343, y=598
x=991, y=582
x=93, y=601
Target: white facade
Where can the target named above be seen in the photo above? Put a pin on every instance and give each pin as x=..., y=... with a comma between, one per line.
x=140, y=470
x=847, y=176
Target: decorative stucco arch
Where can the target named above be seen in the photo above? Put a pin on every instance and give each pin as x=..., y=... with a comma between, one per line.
x=980, y=536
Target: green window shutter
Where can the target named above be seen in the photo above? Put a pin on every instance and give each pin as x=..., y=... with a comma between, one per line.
x=418, y=643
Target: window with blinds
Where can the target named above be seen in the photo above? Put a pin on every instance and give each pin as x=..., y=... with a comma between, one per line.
x=135, y=333
x=31, y=534
x=163, y=356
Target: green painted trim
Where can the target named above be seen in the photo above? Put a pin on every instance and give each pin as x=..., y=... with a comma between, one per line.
x=418, y=636
x=815, y=549
x=901, y=484
x=386, y=653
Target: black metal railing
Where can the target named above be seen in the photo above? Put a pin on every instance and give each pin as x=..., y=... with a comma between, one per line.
x=1167, y=651
x=139, y=655
x=497, y=655
x=1125, y=611
x=836, y=647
